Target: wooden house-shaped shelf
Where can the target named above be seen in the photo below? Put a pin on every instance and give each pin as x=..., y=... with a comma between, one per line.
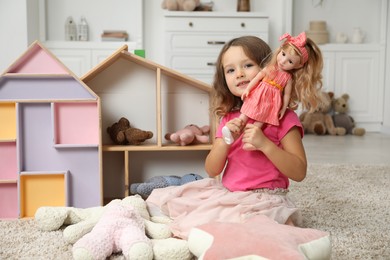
x=50, y=150
x=152, y=97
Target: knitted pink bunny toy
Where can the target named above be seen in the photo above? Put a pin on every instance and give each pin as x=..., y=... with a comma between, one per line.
x=121, y=228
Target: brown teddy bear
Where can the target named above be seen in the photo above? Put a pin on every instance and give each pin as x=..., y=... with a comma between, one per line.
x=342, y=119
x=320, y=122
x=190, y=134
x=122, y=133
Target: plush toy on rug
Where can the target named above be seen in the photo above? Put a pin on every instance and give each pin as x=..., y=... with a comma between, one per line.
x=80, y=221
x=258, y=237
x=190, y=134
x=120, y=229
x=342, y=119
x=123, y=133
x=320, y=122
x=145, y=188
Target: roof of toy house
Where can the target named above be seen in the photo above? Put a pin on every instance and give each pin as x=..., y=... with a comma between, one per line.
x=37, y=75
x=123, y=53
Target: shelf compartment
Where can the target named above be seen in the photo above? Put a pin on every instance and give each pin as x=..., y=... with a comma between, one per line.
x=76, y=124
x=37, y=60
x=35, y=89
x=9, y=200
x=8, y=160
x=38, y=189
x=7, y=121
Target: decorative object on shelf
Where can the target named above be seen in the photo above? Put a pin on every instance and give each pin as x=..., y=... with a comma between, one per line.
x=114, y=36
x=358, y=35
x=341, y=37
x=122, y=133
x=70, y=29
x=243, y=5
x=190, y=134
x=180, y=5
x=318, y=32
x=144, y=189
x=342, y=119
x=83, y=30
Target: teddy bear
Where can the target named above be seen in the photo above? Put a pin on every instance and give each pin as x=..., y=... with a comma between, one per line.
x=342, y=119
x=80, y=221
x=145, y=189
x=320, y=122
x=119, y=229
x=122, y=133
x=190, y=134
x=180, y=5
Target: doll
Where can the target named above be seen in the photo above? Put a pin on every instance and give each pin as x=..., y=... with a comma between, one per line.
x=284, y=81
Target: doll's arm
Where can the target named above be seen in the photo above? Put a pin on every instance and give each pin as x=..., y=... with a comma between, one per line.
x=259, y=76
x=286, y=99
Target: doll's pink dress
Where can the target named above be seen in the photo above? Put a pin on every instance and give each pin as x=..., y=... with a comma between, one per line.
x=265, y=100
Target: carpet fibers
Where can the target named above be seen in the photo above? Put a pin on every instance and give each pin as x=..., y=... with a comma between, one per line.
x=351, y=202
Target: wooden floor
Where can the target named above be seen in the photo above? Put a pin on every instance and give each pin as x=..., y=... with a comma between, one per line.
x=372, y=148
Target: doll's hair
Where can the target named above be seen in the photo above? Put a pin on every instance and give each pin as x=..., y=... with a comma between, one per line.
x=223, y=101
x=306, y=80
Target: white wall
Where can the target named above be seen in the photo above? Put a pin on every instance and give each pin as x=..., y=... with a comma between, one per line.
x=386, y=107
x=13, y=36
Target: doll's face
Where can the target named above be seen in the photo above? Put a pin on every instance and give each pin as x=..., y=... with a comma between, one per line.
x=239, y=69
x=287, y=60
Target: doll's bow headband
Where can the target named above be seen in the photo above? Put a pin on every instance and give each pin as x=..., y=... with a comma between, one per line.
x=299, y=42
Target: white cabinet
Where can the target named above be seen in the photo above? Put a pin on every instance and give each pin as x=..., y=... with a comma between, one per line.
x=80, y=57
x=193, y=39
x=357, y=69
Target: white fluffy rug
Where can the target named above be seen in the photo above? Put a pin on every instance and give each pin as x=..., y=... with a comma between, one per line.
x=352, y=202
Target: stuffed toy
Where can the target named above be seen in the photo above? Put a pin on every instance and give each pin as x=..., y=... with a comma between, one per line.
x=122, y=133
x=259, y=237
x=79, y=222
x=342, y=119
x=120, y=229
x=320, y=122
x=190, y=134
x=145, y=189
x=180, y=5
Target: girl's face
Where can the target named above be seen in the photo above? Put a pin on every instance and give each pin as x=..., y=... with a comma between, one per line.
x=288, y=61
x=238, y=69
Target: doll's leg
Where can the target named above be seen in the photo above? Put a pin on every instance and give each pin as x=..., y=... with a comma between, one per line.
x=250, y=147
x=228, y=135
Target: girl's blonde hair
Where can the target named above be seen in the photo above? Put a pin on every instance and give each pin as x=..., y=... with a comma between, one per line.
x=223, y=101
x=306, y=80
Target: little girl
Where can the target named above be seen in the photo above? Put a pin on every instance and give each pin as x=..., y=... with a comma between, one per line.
x=253, y=182
x=295, y=66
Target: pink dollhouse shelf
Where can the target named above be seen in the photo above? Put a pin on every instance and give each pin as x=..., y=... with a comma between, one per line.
x=36, y=60
x=76, y=124
x=8, y=200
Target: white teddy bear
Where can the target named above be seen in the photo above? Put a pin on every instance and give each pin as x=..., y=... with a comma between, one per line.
x=80, y=222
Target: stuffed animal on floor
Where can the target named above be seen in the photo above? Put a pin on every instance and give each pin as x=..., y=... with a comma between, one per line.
x=122, y=133
x=79, y=222
x=259, y=237
x=145, y=188
x=320, y=122
x=190, y=134
x=342, y=119
x=120, y=229
x=180, y=5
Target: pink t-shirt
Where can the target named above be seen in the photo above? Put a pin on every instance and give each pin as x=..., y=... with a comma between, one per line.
x=249, y=170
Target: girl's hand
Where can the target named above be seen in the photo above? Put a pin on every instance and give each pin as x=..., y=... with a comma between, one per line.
x=254, y=136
